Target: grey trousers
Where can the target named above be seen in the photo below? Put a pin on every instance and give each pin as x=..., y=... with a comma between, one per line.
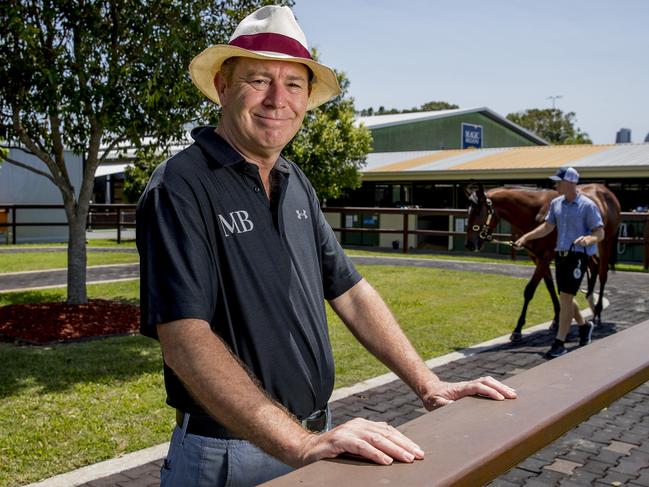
x=199, y=461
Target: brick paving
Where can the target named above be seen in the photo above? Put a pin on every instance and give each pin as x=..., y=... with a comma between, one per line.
x=610, y=448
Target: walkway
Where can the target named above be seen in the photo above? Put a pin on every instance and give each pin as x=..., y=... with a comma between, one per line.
x=611, y=448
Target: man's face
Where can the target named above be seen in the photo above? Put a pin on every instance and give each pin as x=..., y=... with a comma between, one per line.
x=264, y=103
x=563, y=187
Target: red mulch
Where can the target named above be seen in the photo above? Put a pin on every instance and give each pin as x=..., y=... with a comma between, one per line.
x=48, y=323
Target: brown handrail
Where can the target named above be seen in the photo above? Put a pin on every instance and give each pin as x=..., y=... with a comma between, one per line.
x=473, y=440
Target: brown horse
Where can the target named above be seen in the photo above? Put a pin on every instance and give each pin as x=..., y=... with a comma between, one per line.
x=525, y=209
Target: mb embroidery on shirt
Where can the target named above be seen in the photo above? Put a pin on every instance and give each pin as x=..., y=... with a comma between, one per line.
x=239, y=223
x=302, y=214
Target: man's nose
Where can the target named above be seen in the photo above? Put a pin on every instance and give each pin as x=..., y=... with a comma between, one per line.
x=276, y=95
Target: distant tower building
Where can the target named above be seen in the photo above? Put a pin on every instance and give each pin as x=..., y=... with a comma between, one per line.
x=623, y=136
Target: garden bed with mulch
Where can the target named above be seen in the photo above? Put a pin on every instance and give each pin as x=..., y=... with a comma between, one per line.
x=59, y=322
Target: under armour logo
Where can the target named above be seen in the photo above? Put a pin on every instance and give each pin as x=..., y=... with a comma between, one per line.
x=239, y=223
x=302, y=214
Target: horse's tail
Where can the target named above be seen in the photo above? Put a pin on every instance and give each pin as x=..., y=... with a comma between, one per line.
x=612, y=258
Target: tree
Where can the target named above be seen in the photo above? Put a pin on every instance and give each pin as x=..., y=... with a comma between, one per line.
x=552, y=125
x=137, y=176
x=88, y=75
x=431, y=106
x=329, y=147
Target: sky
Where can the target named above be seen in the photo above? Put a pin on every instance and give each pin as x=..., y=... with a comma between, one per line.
x=593, y=56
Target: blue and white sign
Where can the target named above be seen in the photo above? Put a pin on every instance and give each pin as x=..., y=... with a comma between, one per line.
x=471, y=136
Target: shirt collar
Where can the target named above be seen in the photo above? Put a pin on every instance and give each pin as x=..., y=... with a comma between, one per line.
x=573, y=202
x=215, y=147
x=222, y=153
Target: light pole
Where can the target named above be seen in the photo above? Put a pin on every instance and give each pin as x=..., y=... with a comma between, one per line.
x=554, y=98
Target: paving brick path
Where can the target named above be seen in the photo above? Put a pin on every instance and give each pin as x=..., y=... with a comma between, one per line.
x=611, y=448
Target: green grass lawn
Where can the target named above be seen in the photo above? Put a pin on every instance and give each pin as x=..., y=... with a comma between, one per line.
x=54, y=260
x=31, y=261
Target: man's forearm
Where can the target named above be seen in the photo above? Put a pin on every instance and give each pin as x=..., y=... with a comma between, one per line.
x=542, y=230
x=223, y=387
x=596, y=236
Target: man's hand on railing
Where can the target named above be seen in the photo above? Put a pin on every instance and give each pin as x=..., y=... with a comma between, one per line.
x=441, y=393
x=377, y=442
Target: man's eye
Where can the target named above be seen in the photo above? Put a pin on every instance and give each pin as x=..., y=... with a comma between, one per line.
x=260, y=84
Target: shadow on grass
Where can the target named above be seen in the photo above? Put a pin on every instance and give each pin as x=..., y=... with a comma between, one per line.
x=59, y=367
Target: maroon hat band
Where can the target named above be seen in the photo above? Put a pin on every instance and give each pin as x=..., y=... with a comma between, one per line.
x=271, y=42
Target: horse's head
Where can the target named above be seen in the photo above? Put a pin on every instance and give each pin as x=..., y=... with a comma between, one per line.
x=482, y=219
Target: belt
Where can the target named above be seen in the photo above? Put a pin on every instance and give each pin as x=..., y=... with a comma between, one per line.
x=565, y=253
x=317, y=421
x=206, y=426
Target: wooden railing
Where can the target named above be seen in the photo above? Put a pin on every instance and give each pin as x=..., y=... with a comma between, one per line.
x=474, y=440
x=120, y=216
x=101, y=216
x=405, y=231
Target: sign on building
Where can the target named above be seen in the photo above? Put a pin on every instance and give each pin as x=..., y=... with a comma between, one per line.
x=471, y=136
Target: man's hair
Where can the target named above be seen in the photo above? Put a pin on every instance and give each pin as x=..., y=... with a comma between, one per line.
x=227, y=68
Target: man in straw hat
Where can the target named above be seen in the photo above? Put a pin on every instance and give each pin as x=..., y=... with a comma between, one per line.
x=579, y=227
x=236, y=261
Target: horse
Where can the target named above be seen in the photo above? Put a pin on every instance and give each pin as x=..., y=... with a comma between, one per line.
x=525, y=209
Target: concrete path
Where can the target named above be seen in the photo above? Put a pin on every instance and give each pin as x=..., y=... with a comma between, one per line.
x=611, y=448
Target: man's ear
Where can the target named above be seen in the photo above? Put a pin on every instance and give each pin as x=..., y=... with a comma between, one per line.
x=220, y=85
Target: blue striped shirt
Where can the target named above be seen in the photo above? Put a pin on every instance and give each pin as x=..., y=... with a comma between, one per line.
x=573, y=220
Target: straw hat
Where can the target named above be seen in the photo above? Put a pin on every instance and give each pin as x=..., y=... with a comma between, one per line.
x=268, y=33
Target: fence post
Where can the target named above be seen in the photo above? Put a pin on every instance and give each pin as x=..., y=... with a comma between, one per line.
x=405, y=232
x=13, y=225
x=119, y=226
x=645, y=259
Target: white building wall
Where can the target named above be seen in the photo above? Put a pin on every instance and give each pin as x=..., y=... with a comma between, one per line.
x=19, y=186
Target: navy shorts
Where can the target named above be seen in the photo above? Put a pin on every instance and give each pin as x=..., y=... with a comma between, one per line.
x=570, y=268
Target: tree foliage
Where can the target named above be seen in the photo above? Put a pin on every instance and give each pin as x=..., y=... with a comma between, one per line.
x=88, y=75
x=552, y=125
x=431, y=106
x=329, y=147
x=137, y=175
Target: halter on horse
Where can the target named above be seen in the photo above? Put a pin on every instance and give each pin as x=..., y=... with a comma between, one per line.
x=485, y=231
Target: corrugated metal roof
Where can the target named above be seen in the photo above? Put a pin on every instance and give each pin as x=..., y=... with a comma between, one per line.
x=596, y=160
x=378, y=121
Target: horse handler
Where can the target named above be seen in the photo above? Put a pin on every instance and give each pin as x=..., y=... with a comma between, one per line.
x=237, y=260
x=579, y=228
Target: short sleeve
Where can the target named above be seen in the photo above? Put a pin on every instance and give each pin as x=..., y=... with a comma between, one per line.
x=338, y=272
x=178, y=277
x=551, y=217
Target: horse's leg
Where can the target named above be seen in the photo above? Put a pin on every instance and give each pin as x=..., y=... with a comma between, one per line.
x=593, y=271
x=549, y=283
x=528, y=294
x=603, y=277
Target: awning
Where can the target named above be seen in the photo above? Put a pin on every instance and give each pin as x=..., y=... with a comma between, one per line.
x=110, y=169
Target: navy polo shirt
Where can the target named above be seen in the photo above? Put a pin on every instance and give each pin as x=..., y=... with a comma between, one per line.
x=213, y=247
